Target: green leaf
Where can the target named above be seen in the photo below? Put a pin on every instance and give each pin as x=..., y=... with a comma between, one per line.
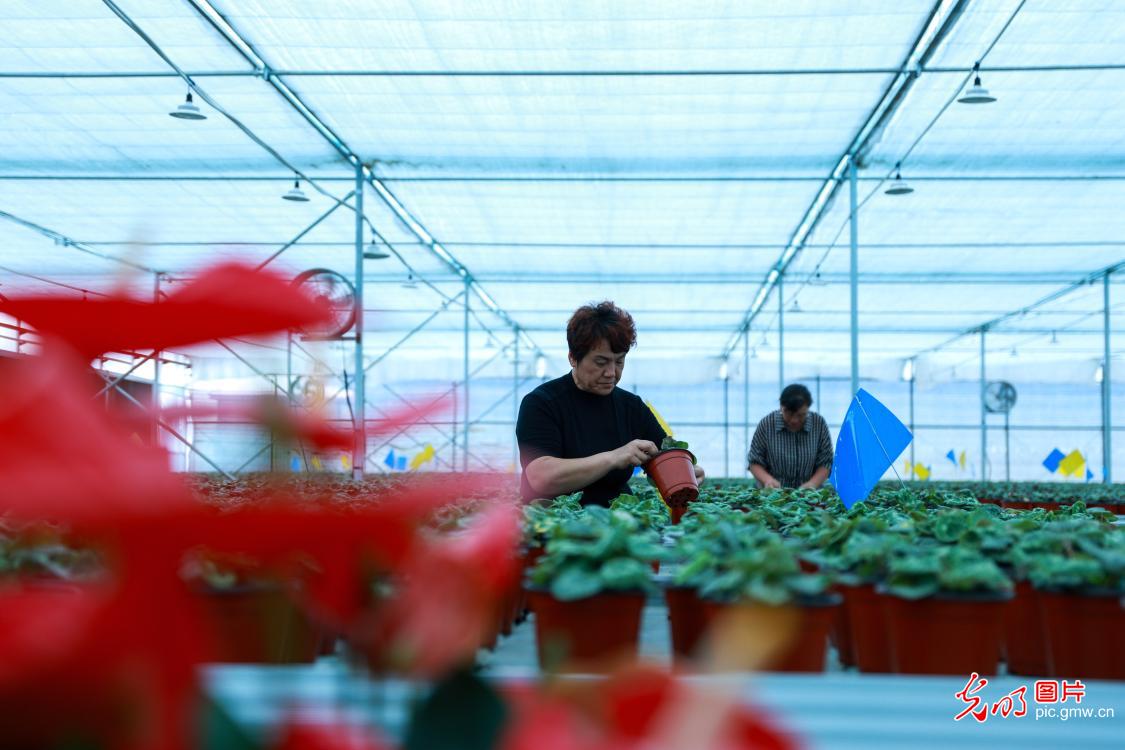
x=575, y=582
x=462, y=713
x=914, y=591
x=808, y=585
x=767, y=593
x=670, y=443
x=625, y=573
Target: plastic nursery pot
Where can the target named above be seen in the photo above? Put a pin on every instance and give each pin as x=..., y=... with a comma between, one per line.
x=1084, y=634
x=258, y=623
x=673, y=472
x=947, y=633
x=840, y=632
x=867, y=624
x=806, y=650
x=1025, y=637
x=586, y=635
x=687, y=620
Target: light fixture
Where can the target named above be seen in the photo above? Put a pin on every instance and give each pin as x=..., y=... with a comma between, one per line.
x=1054, y=337
x=187, y=111
x=796, y=308
x=489, y=343
x=754, y=353
x=908, y=370
x=410, y=283
x=374, y=252
x=296, y=194
x=724, y=371
x=898, y=186
x=976, y=94
x=540, y=366
x=1099, y=374
x=1014, y=353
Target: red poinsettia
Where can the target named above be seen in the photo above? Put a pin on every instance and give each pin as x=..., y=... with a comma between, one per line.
x=223, y=301
x=639, y=708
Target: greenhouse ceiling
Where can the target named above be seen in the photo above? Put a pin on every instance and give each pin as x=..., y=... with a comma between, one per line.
x=688, y=160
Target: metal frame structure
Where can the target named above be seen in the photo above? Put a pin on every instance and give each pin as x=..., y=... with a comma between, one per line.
x=942, y=19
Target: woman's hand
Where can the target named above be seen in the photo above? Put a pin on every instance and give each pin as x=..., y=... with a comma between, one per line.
x=633, y=453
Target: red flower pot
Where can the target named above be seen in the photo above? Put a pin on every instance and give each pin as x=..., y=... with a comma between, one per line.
x=867, y=623
x=840, y=633
x=806, y=651
x=687, y=619
x=1084, y=634
x=673, y=472
x=586, y=634
x=1025, y=637
x=947, y=633
x=259, y=624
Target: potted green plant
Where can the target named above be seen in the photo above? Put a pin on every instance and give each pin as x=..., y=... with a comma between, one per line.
x=944, y=608
x=672, y=470
x=728, y=564
x=253, y=619
x=1079, y=579
x=860, y=563
x=588, y=589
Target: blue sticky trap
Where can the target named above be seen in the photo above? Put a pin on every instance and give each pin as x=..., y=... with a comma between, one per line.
x=1089, y=474
x=636, y=470
x=870, y=440
x=400, y=463
x=294, y=463
x=389, y=461
x=1053, y=459
x=952, y=457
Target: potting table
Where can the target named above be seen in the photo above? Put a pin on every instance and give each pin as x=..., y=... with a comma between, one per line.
x=837, y=709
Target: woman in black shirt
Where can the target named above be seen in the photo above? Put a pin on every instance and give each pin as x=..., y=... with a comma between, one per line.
x=580, y=431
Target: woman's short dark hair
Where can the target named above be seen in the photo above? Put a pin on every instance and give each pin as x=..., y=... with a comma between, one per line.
x=795, y=396
x=603, y=321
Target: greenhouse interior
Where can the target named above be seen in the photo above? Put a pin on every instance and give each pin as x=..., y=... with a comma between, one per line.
x=318, y=426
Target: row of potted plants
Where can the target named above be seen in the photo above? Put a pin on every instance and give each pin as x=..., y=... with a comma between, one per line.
x=913, y=580
x=1029, y=495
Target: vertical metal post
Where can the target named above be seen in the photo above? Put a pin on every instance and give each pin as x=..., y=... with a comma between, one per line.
x=465, y=438
x=156, y=371
x=359, y=451
x=780, y=333
x=912, y=441
x=1107, y=385
x=746, y=397
x=453, y=432
x=854, y=276
x=515, y=398
x=1007, y=449
x=983, y=422
x=726, y=425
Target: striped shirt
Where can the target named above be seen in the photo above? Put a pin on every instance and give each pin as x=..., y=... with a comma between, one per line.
x=791, y=457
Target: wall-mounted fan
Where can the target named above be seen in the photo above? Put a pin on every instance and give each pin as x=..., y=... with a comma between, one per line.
x=999, y=397
x=338, y=292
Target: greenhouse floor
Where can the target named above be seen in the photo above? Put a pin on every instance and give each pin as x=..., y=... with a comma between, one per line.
x=837, y=709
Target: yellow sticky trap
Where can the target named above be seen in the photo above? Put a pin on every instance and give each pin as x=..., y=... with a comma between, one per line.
x=961, y=460
x=427, y=454
x=1074, y=464
x=659, y=419
x=315, y=463
x=345, y=461
x=907, y=469
x=921, y=472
